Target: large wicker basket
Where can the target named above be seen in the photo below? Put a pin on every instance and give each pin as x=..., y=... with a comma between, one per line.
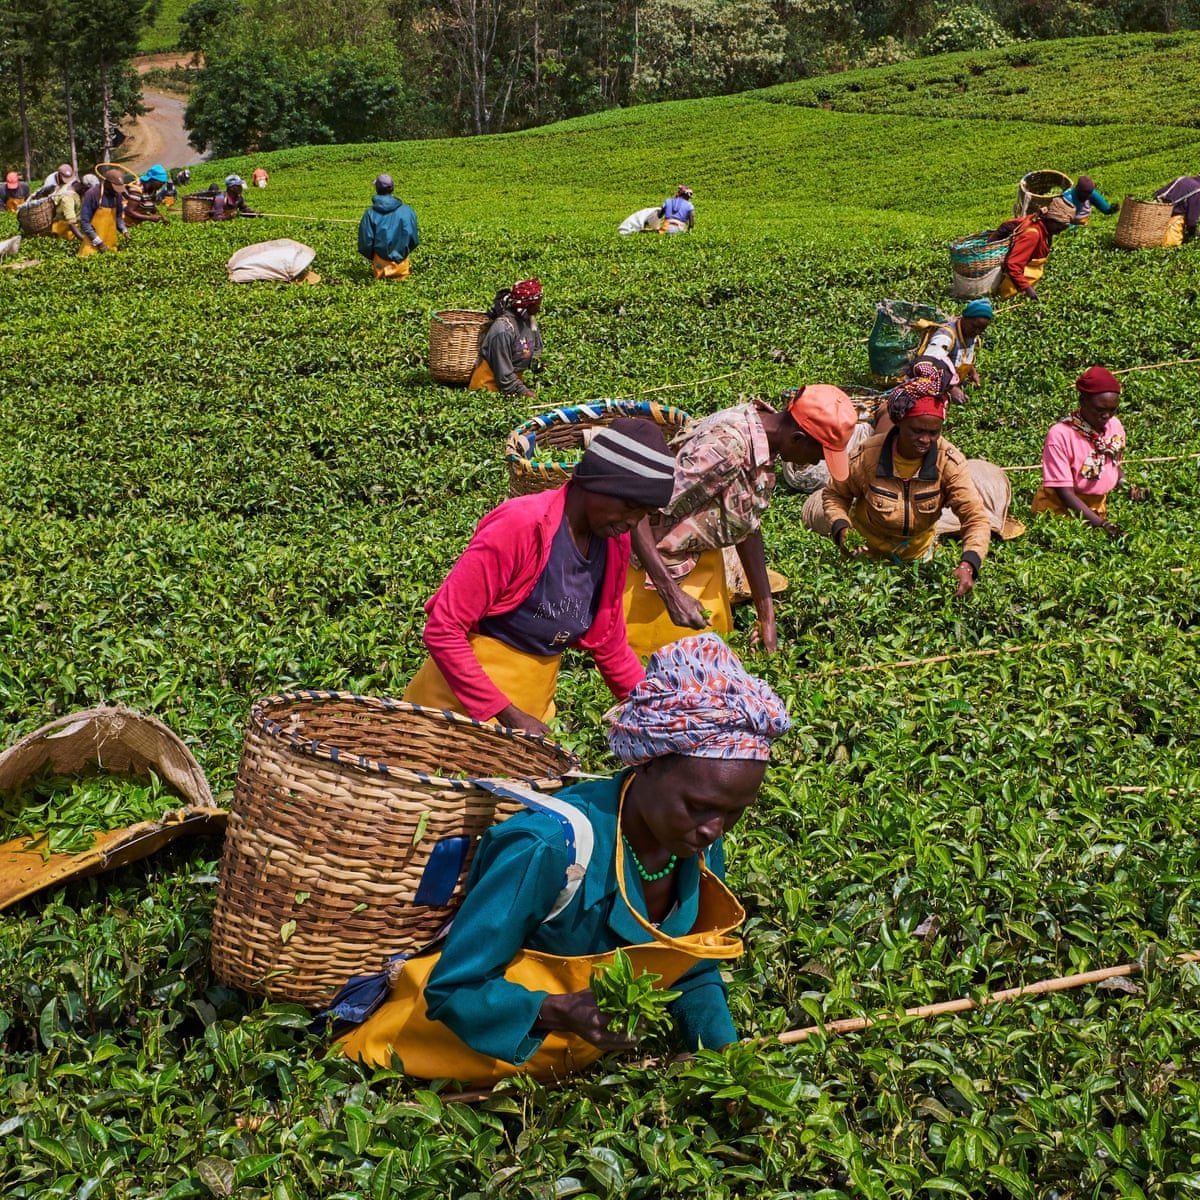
x=341, y=804
x=569, y=429
x=455, y=337
x=1037, y=189
x=198, y=207
x=35, y=217
x=976, y=264
x=1142, y=224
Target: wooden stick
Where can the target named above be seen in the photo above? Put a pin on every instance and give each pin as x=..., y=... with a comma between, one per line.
x=1164, y=458
x=666, y=387
x=1062, y=984
x=941, y=658
x=1175, y=362
x=319, y=220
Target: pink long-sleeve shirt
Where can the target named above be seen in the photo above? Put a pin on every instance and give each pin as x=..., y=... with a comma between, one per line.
x=495, y=574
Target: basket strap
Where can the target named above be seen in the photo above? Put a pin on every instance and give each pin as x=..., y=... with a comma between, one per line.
x=577, y=831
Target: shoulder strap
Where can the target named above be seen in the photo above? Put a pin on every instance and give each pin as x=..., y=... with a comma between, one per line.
x=578, y=835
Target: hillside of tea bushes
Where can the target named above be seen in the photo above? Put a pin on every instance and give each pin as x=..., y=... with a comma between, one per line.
x=209, y=492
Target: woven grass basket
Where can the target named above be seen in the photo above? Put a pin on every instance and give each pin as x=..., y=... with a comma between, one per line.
x=197, y=207
x=1037, y=189
x=1142, y=224
x=339, y=804
x=35, y=217
x=567, y=429
x=455, y=337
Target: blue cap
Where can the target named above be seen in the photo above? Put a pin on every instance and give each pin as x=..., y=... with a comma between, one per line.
x=979, y=308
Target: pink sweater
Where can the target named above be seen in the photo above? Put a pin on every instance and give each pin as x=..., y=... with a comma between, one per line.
x=495, y=574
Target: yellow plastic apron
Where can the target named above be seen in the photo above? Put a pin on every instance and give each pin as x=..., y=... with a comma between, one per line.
x=384, y=268
x=1035, y=269
x=1174, y=234
x=648, y=625
x=61, y=229
x=528, y=680
x=104, y=222
x=12, y=204
x=1048, y=500
x=430, y=1050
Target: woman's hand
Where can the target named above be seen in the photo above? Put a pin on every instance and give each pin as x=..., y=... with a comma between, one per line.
x=848, y=551
x=1112, y=529
x=765, y=634
x=684, y=610
x=1139, y=495
x=965, y=577
x=957, y=395
x=515, y=718
x=578, y=1013
x=973, y=377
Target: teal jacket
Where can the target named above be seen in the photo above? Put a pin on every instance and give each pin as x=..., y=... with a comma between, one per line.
x=516, y=876
x=388, y=228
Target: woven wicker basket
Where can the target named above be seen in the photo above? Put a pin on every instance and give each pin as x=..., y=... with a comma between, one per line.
x=566, y=429
x=454, y=340
x=1037, y=189
x=197, y=207
x=35, y=217
x=1142, y=224
x=340, y=803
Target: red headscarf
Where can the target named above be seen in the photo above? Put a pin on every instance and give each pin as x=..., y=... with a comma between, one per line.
x=922, y=394
x=526, y=294
x=1096, y=380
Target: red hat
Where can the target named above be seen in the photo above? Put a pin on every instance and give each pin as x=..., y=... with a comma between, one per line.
x=526, y=293
x=928, y=406
x=1096, y=380
x=825, y=412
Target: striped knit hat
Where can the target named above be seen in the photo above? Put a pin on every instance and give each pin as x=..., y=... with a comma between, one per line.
x=629, y=459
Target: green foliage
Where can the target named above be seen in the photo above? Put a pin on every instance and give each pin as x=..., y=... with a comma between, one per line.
x=636, y=1007
x=210, y=492
x=164, y=33
x=965, y=27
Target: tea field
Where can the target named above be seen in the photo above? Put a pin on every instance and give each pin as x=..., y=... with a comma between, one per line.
x=210, y=492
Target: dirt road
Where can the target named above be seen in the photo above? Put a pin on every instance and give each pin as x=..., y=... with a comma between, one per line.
x=160, y=136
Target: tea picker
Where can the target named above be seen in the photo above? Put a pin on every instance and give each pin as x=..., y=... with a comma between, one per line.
x=513, y=341
x=1085, y=196
x=633, y=862
x=1183, y=194
x=387, y=233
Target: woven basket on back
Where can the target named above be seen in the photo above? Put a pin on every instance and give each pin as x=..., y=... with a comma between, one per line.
x=454, y=340
x=340, y=804
x=1142, y=224
x=197, y=207
x=567, y=429
x=1037, y=189
x=35, y=217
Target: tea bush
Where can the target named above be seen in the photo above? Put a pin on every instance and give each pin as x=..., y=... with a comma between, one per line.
x=208, y=492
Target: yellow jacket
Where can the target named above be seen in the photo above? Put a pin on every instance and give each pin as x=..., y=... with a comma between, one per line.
x=901, y=513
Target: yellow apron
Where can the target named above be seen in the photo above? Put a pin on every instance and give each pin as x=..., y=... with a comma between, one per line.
x=1035, y=269
x=384, y=268
x=430, y=1050
x=12, y=204
x=1048, y=500
x=1174, y=234
x=105, y=224
x=528, y=680
x=61, y=229
x=484, y=380
x=648, y=625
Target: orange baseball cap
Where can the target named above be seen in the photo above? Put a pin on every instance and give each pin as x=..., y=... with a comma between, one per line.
x=12, y=179
x=825, y=412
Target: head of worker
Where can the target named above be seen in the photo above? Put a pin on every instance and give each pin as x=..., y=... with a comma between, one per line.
x=154, y=178
x=234, y=184
x=684, y=193
x=976, y=317
x=91, y=181
x=824, y=420
x=1099, y=392
x=12, y=179
x=697, y=732
x=917, y=406
x=1057, y=215
x=626, y=473
x=1084, y=188
x=65, y=173
x=114, y=177
x=525, y=297
x=385, y=185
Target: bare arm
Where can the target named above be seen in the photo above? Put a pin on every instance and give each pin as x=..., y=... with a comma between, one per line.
x=683, y=609
x=754, y=562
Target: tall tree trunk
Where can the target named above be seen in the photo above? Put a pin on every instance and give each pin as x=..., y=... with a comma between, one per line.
x=106, y=109
x=70, y=120
x=24, y=118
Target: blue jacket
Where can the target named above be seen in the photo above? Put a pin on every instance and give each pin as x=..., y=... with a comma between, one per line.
x=515, y=879
x=388, y=228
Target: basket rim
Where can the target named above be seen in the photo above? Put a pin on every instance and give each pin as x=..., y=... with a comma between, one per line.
x=517, y=451
x=313, y=748
x=476, y=315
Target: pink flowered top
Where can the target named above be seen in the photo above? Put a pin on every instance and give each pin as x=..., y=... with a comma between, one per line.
x=1067, y=451
x=723, y=485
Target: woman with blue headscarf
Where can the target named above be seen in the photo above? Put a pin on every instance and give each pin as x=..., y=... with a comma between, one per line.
x=141, y=195
x=633, y=862
x=956, y=344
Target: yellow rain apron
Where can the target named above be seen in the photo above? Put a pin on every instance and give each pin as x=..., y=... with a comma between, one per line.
x=430, y=1050
x=104, y=222
x=1034, y=270
x=12, y=204
x=1048, y=500
x=384, y=268
x=528, y=680
x=1174, y=234
x=648, y=625
x=61, y=229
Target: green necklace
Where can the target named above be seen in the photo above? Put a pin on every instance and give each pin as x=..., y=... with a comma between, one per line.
x=647, y=876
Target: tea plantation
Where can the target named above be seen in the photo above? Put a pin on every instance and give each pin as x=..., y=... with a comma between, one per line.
x=211, y=491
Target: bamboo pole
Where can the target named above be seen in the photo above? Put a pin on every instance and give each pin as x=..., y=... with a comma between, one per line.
x=1063, y=983
x=318, y=220
x=905, y=663
x=1127, y=462
x=1175, y=362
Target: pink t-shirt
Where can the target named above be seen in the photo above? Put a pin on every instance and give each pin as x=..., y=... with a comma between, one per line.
x=1066, y=450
